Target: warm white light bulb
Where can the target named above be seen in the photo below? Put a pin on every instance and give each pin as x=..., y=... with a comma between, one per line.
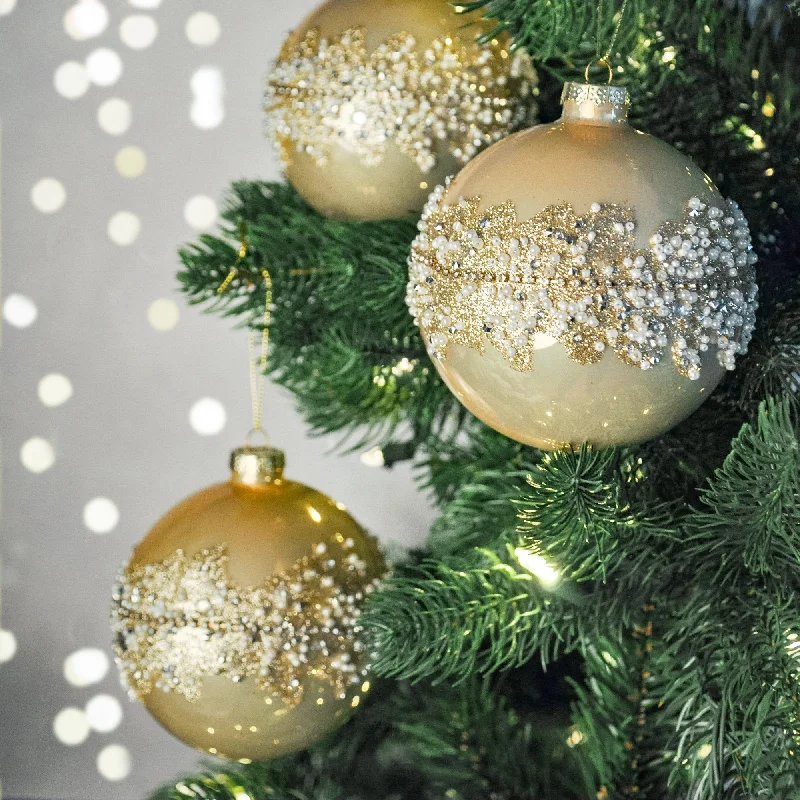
x=538, y=565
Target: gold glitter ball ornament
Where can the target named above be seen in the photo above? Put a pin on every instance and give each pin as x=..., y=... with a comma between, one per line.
x=236, y=620
x=582, y=281
x=373, y=102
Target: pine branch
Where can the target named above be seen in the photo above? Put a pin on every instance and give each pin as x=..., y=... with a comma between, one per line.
x=420, y=743
x=477, y=613
x=483, y=610
x=772, y=365
x=731, y=691
x=266, y=781
x=579, y=515
x=470, y=446
x=680, y=461
x=621, y=728
x=479, y=746
x=750, y=523
x=342, y=340
x=481, y=511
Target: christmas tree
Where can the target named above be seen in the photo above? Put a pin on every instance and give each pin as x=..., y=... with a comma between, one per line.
x=584, y=622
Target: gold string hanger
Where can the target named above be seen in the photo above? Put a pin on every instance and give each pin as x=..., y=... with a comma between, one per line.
x=258, y=362
x=604, y=60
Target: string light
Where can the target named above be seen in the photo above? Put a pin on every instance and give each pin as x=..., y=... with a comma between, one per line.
x=538, y=565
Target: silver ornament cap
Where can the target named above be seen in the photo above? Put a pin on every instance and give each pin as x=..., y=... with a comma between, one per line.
x=602, y=104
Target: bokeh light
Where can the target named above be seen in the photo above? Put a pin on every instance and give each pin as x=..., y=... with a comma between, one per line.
x=104, y=713
x=202, y=29
x=48, y=195
x=101, y=515
x=163, y=314
x=37, y=455
x=8, y=646
x=372, y=457
x=130, y=161
x=208, y=91
x=86, y=19
x=114, y=762
x=103, y=66
x=54, y=389
x=71, y=726
x=200, y=211
x=85, y=666
x=123, y=228
x=207, y=416
x=138, y=31
x=114, y=116
x=19, y=310
x=71, y=79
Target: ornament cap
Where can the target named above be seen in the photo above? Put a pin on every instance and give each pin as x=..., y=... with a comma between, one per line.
x=257, y=466
x=593, y=103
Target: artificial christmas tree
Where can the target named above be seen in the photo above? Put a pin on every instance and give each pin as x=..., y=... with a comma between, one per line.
x=583, y=623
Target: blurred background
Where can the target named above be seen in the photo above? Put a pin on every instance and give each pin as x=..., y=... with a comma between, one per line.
x=122, y=123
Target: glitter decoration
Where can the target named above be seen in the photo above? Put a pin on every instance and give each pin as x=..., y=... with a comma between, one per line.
x=236, y=621
x=478, y=275
x=597, y=94
x=333, y=92
x=180, y=620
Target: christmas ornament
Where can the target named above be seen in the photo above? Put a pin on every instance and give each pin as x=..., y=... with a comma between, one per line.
x=236, y=620
x=372, y=102
x=582, y=281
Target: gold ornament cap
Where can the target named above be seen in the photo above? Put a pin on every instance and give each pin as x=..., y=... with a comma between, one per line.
x=603, y=104
x=257, y=466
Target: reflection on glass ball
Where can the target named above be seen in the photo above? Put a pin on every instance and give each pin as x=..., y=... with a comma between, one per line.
x=236, y=619
x=582, y=281
x=372, y=146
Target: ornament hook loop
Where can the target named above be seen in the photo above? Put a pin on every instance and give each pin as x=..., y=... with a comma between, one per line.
x=600, y=62
x=248, y=440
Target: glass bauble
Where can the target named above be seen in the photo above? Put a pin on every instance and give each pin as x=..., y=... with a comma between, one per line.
x=582, y=281
x=374, y=102
x=236, y=619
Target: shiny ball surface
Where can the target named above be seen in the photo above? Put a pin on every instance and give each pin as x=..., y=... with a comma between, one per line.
x=373, y=146
x=236, y=618
x=506, y=311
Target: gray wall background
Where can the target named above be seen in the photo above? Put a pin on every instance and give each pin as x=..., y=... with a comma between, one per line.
x=124, y=434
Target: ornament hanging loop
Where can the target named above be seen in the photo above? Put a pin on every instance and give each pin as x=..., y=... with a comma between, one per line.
x=600, y=62
x=250, y=444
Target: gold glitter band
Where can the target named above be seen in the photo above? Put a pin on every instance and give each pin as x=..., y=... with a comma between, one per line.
x=180, y=620
x=333, y=92
x=482, y=275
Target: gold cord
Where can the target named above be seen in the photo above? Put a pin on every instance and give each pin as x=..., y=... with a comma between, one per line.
x=605, y=60
x=258, y=363
x=258, y=377
x=241, y=255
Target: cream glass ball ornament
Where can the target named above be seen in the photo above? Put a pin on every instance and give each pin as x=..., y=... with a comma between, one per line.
x=582, y=281
x=235, y=621
x=374, y=102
